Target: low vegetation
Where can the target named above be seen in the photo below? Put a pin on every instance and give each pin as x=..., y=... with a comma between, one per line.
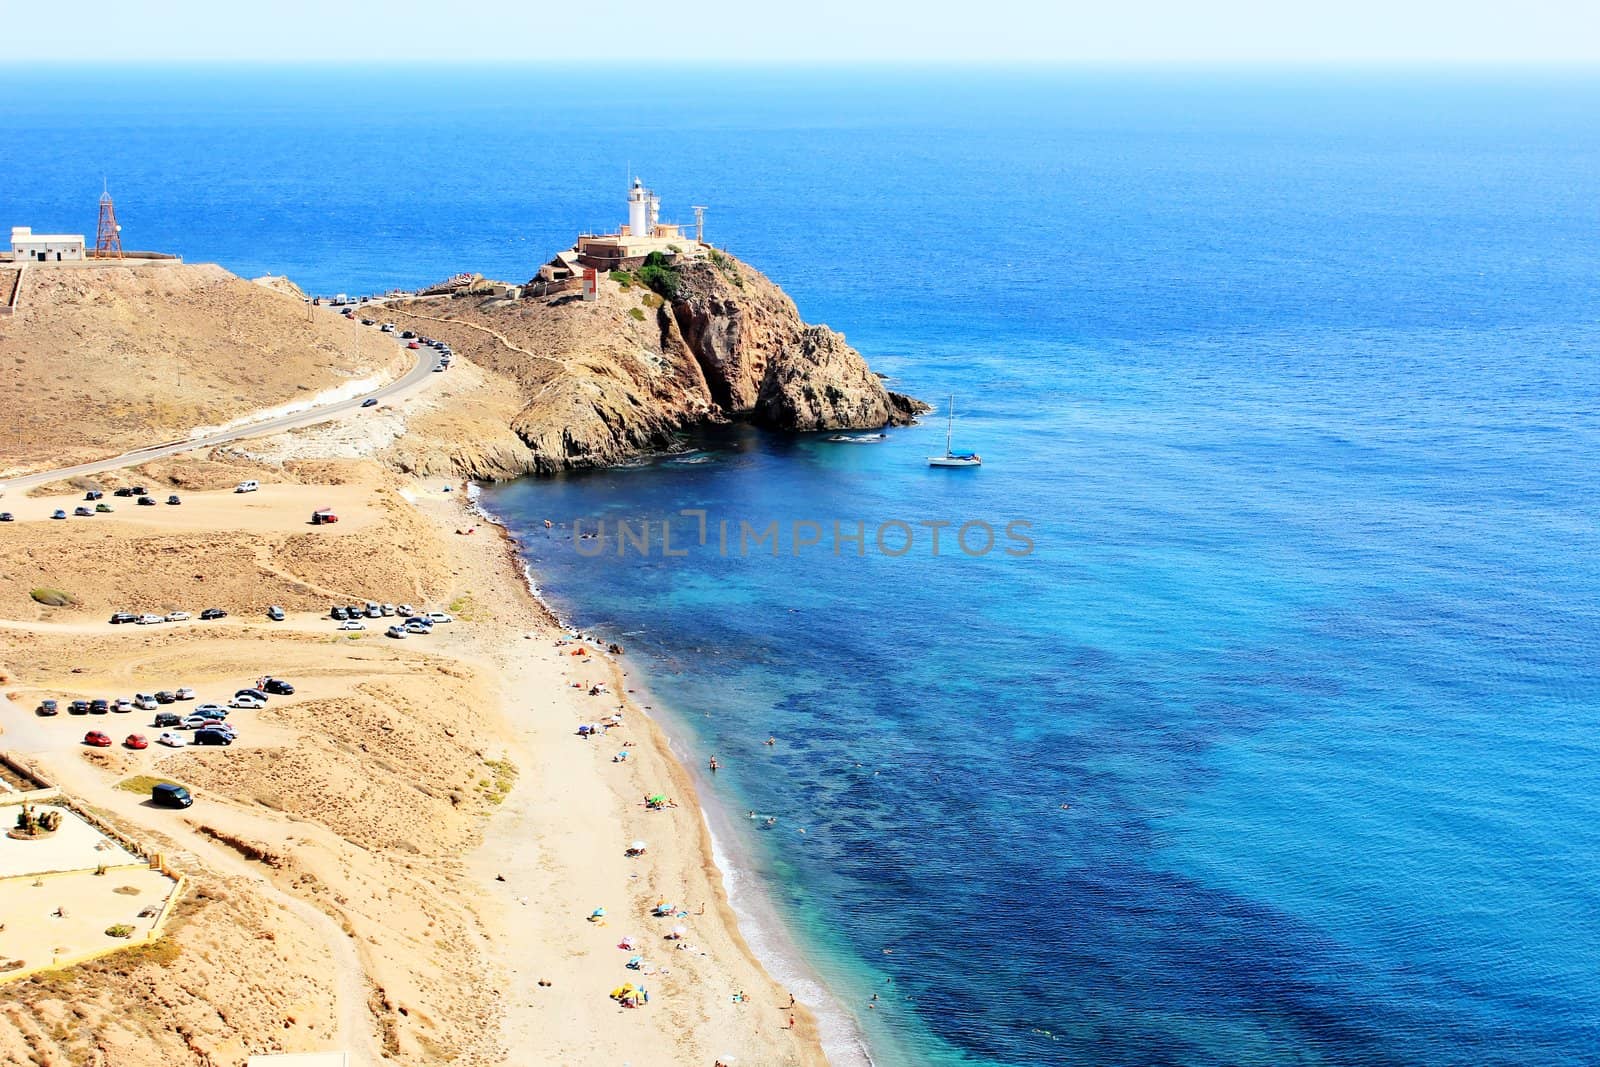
x=142, y=783
x=496, y=789
x=660, y=276
x=637, y=314
x=53, y=598
x=724, y=262
x=119, y=930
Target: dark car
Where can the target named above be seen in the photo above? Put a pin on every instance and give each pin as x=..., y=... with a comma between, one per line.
x=370, y=402
x=97, y=739
x=212, y=736
x=48, y=706
x=78, y=707
x=275, y=613
x=337, y=614
x=147, y=501
x=167, y=718
x=139, y=490
x=278, y=687
x=99, y=707
x=58, y=514
x=256, y=693
x=168, y=795
x=123, y=616
x=369, y=322
x=353, y=610
x=6, y=516
x=213, y=613
x=93, y=494
x=173, y=499
x=166, y=696
x=408, y=334
x=123, y=491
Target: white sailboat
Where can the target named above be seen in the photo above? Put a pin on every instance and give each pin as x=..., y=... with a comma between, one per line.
x=952, y=458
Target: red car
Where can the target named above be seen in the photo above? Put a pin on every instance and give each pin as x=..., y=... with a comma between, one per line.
x=136, y=741
x=97, y=739
x=413, y=344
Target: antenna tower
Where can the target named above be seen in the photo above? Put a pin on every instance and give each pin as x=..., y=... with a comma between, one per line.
x=700, y=223
x=108, y=236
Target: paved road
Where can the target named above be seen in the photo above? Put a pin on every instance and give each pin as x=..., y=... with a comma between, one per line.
x=426, y=358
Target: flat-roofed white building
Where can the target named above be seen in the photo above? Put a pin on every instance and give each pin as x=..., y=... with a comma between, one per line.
x=30, y=247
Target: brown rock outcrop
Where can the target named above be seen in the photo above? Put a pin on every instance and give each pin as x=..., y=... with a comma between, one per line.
x=601, y=382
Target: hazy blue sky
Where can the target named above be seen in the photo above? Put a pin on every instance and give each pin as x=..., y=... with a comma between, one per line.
x=1102, y=31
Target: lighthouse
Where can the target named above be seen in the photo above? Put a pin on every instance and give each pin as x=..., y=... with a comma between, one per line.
x=639, y=209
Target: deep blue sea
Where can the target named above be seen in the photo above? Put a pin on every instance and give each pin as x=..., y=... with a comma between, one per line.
x=1282, y=745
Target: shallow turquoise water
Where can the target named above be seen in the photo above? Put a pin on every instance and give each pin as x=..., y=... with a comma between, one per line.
x=1295, y=380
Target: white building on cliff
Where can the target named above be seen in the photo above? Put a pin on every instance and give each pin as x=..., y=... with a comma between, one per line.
x=643, y=234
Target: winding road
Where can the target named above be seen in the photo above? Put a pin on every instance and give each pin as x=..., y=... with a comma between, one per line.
x=418, y=374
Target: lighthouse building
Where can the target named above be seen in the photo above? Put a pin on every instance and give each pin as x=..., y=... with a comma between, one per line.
x=643, y=234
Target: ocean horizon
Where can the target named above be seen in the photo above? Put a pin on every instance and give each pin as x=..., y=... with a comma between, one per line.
x=1279, y=745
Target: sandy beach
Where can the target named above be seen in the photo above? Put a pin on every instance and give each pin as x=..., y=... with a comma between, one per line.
x=426, y=810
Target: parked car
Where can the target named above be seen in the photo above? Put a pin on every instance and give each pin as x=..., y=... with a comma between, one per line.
x=369, y=322
x=123, y=616
x=170, y=739
x=122, y=705
x=416, y=626
x=93, y=494
x=323, y=516
x=146, y=501
x=122, y=491
x=338, y=614
x=213, y=613
x=140, y=490
x=48, y=706
x=82, y=512
x=173, y=499
x=177, y=616
x=275, y=613
x=167, y=718
x=211, y=711
x=374, y=611
x=97, y=739
x=413, y=344
x=370, y=402
x=58, y=514
x=387, y=609
x=166, y=696
x=169, y=795
x=388, y=327
x=405, y=611
x=99, y=707
x=102, y=508
x=397, y=632
x=78, y=707
x=438, y=616
x=352, y=624
x=439, y=368
x=195, y=722
x=6, y=516
x=245, y=703
x=277, y=687
x=247, y=487
x=212, y=736
x=408, y=334
x=136, y=741
x=151, y=620
x=145, y=702
x=184, y=693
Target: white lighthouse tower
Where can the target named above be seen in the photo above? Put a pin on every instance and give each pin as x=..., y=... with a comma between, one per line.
x=639, y=203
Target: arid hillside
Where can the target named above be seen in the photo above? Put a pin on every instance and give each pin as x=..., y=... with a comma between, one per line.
x=102, y=359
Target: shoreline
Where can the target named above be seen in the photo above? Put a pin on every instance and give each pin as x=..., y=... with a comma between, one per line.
x=686, y=859
x=745, y=899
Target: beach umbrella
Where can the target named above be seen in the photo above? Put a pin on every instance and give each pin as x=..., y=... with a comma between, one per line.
x=598, y=913
x=679, y=931
x=637, y=846
x=658, y=798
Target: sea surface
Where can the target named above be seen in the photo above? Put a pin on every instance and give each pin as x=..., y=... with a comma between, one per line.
x=1275, y=739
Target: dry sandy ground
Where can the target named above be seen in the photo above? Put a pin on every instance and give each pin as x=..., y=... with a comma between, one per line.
x=348, y=852
x=102, y=359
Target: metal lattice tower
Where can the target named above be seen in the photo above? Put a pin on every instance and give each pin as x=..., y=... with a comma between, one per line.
x=700, y=223
x=108, y=236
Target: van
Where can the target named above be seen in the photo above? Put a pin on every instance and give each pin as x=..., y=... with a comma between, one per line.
x=247, y=487
x=168, y=795
x=212, y=737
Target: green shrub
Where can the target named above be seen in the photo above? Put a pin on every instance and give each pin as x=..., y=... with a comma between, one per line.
x=119, y=930
x=637, y=314
x=53, y=598
x=622, y=278
x=659, y=275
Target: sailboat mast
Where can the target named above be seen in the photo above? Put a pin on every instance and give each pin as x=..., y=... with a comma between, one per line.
x=950, y=427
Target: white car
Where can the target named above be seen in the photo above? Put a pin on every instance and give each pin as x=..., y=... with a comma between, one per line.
x=184, y=693
x=247, y=703
x=171, y=740
x=352, y=624
x=177, y=616
x=145, y=702
x=151, y=620
x=405, y=611
x=122, y=704
x=438, y=616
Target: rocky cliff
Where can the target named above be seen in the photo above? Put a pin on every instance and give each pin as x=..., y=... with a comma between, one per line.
x=597, y=383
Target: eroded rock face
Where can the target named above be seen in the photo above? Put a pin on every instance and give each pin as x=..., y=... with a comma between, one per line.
x=594, y=384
